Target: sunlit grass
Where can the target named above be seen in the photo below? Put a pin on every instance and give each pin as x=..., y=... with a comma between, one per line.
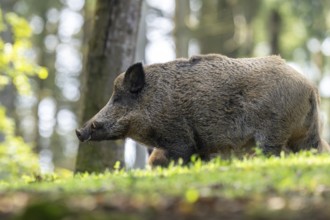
x=287, y=186
x=303, y=173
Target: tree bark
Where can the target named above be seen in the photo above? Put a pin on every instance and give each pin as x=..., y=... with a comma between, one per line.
x=225, y=27
x=182, y=33
x=111, y=51
x=275, y=24
x=216, y=36
x=140, y=150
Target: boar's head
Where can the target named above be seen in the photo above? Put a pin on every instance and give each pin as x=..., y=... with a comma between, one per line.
x=113, y=121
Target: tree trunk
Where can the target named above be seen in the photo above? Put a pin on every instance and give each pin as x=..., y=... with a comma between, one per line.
x=275, y=31
x=182, y=33
x=225, y=27
x=216, y=36
x=140, y=150
x=111, y=51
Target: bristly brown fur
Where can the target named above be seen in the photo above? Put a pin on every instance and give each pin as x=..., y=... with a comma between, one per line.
x=213, y=104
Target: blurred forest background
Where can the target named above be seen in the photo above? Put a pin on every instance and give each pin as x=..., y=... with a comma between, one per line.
x=43, y=45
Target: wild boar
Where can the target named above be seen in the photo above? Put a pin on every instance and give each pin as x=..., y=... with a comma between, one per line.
x=210, y=104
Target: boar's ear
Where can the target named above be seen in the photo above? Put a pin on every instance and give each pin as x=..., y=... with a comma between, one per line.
x=134, y=78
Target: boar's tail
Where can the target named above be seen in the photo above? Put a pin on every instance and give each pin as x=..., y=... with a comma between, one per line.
x=313, y=136
x=323, y=146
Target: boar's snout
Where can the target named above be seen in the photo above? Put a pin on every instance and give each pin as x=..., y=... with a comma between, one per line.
x=87, y=132
x=83, y=134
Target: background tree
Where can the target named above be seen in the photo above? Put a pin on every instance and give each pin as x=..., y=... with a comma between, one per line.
x=182, y=33
x=17, y=157
x=111, y=51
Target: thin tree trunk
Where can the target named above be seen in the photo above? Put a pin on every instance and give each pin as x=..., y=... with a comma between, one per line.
x=140, y=150
x=182, y=33
x=275, y=25
x=222, y=24
x=111, y=51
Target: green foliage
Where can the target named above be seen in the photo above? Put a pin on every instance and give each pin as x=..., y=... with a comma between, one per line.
x=16, y=157
x=302, y=173
x=15, y=65
x=289, y=183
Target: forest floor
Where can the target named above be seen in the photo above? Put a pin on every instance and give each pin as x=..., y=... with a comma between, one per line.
x=286, y=187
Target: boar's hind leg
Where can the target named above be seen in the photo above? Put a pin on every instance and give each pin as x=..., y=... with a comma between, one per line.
x=306, y=142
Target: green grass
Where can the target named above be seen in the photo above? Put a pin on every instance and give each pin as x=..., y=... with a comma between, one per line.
x=292, y=186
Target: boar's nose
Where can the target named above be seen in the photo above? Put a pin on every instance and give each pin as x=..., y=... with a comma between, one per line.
x=82, y=136
x=79, y=134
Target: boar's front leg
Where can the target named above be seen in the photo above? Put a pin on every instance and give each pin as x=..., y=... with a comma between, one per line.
x=171, y=147
x=158, y=157
x=162, y=157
